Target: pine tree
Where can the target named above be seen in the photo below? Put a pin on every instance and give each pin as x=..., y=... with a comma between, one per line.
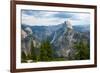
x=49, y=50
x=43, y=52
x=33, y=53
x=46, y=52
x=83, y=51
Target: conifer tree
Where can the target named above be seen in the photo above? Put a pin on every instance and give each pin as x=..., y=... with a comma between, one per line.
x=83, y=51
x=33, y=53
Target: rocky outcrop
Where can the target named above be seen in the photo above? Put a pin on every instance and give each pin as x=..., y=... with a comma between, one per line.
x=64, y=44
x=27, y=38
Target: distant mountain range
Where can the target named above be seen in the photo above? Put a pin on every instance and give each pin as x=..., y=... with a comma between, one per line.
x=60, y=36
x=43, y=32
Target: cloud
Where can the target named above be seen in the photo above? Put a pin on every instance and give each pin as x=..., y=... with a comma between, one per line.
x=31, y=20
x=40, y=17
x=81, y=19
x=63, y=15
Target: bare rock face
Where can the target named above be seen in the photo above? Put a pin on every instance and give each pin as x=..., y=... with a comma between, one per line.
x=23, y=34
x=25, y=45
x=69, y=24
x=27, y=38
x=65, y=42
x=28, y=30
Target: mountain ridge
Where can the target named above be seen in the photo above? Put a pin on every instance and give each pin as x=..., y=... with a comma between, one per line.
x=61, y=37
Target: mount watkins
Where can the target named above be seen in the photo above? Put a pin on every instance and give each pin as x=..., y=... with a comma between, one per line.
x=66, y=41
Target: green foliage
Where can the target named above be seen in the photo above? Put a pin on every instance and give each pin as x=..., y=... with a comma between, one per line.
x=59, y=59
x=43, y=53
x=46, y=52
x=33, y=54
x=23, y=57
x=29, y=56
x=82, y=51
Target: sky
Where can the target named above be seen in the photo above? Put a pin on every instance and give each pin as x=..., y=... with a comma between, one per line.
x=46, y=18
